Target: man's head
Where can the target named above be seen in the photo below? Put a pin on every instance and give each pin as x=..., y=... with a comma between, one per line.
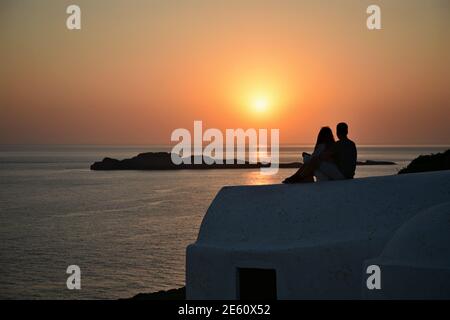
x=342, y=130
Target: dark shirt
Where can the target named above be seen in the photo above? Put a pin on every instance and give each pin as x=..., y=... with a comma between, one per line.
x=344, y=155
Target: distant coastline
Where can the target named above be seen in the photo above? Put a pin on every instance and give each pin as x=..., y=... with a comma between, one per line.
x=162, y=161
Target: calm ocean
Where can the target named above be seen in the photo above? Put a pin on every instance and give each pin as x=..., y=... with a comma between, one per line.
x=127, y=230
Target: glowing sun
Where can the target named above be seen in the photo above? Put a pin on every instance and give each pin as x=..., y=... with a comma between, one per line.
x=260, y=104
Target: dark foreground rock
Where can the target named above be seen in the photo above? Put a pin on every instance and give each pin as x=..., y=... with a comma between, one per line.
x=432, y=162
x=173, y=294
x=163, y=161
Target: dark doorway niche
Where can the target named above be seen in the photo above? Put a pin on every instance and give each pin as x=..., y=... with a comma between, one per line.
x=257, y=284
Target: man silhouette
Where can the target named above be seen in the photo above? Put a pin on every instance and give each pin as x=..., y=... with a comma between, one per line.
x=343, y=152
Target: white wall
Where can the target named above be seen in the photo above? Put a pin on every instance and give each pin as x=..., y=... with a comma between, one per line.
x=316, y=236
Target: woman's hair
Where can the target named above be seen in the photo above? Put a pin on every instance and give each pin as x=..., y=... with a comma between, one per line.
x=325, y=137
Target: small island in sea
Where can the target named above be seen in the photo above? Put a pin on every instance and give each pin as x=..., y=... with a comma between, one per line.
x=163, y=161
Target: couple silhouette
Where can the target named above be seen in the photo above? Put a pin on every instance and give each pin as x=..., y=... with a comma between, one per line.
x=331, y=160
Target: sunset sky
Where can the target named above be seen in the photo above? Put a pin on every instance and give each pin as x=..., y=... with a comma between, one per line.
x=137, y=70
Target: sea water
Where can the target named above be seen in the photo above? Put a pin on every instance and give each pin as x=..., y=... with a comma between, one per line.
x=126, y=230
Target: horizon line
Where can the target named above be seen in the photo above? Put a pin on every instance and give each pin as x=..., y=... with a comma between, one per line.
x=170, y=145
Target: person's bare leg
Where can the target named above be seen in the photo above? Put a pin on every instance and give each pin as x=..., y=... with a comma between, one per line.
x=305, y=179
x=309, y=168
x=305, y=173
x=295, y=177
x=298, y=172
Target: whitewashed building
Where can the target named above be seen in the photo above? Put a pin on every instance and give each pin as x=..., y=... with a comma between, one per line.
x=415, y=263
x=305, y=241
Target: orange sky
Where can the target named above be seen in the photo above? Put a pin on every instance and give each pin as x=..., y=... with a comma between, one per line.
x=139, y=69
